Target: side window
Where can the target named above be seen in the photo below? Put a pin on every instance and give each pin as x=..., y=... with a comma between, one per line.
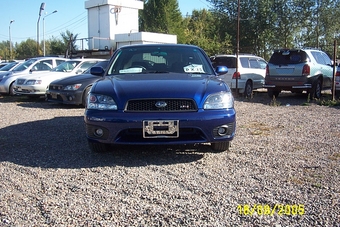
x=59, y=62
x=254, y=64
x=327, y=59
x=244, y=62
x=43, y=65
x=318, y=57
x=262, y=63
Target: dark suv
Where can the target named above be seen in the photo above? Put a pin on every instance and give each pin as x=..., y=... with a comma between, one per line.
x=299, y=70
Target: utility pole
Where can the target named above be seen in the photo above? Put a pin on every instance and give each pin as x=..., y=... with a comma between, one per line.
x=10, y=40
x=42, y=7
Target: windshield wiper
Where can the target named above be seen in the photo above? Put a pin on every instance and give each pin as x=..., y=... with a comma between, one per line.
x=157, y=71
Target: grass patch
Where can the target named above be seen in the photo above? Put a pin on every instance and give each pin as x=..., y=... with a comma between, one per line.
x=335, y=156
x=274, y=102
x=258, y=128
x=329, y=102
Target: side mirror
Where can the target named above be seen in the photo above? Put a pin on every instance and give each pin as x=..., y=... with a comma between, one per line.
x=97, y=71
x=221, y=70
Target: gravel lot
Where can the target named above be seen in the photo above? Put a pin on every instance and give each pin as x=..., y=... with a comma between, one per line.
x=282, y=170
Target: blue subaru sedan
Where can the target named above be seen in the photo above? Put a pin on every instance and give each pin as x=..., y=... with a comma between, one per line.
x=159, y=94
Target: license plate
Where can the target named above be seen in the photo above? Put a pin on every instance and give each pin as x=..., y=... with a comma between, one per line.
x=161, y=129
x=54, y=95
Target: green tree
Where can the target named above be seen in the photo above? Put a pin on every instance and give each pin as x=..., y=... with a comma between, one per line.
x=270, y=24
x=26, y=49
x=162, y=16
x=201, y=29
x=55, y=46
x=4, y=50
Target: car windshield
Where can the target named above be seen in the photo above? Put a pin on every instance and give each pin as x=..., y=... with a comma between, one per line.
x=66, y=66
x=8, y=66
x=102, y=64
x=25, y=65
x=285, y=57
x=160, y=59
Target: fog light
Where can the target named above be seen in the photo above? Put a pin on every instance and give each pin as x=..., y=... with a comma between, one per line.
x=99, y=132
x=70, y=98
x=222, y=131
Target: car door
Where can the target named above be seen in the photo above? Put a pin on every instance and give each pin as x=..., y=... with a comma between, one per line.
x=258, y=72
x=325, y=67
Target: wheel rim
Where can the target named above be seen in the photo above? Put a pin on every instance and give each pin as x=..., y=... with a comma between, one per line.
x=318, y=90
x=248, y=89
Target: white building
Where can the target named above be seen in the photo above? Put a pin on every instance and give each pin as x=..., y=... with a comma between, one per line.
x=114, y=23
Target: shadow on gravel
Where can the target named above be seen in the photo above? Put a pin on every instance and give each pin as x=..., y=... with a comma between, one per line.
x=61, y=143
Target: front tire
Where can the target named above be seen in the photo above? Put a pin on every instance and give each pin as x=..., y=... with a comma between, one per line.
x=316, y=90
x=220, y=146
x=11, y=89
x=98, y=147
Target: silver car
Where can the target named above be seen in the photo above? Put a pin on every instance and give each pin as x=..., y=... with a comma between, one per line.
x=250, y=74
x=27, y=68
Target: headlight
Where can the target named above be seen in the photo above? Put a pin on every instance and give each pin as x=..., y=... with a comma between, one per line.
x=72, y=87
x=101, y=102
x=32, y=82
x=222, y=100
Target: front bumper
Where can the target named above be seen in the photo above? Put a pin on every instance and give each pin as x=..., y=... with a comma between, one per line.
x=65, y=97
x=127, y=128
x=30, y=89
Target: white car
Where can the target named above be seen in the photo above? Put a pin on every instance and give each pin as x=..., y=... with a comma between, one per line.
x=337, y=82
x=250, y=74
x=27, y=68
x=36, y=85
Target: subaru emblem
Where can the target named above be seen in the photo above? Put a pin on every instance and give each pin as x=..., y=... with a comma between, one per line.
x=161, y=104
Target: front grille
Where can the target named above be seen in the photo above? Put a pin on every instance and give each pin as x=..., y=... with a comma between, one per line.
x=161, y=105
x=20, y=81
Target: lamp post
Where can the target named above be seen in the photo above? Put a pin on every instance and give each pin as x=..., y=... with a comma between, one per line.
x=10, y=39
x=44, y=28
x=42, y=7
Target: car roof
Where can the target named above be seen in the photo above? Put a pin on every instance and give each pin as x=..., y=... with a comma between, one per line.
x=159, y=44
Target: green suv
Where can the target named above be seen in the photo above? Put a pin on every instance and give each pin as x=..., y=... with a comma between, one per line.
x=299, y=70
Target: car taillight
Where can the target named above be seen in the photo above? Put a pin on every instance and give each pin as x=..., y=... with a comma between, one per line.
x=267, y=70
x=306, y=70
x=237, y=75
x=337, y=73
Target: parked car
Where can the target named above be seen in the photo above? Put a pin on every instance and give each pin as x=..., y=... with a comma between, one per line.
x=37, y=84
x=9, y=66
x=337, y=82
x=27, y=68
x=73, y=89
x=299, y=70
x=250, y=74
x=159, y=94
x=2, y=64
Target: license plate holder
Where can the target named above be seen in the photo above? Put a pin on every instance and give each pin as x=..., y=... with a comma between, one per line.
x=54, y=95
x=161, y=129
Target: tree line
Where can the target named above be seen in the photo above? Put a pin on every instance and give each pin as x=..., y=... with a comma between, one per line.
x=264, y=25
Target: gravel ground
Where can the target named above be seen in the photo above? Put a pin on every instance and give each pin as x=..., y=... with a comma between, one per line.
x=282, y=170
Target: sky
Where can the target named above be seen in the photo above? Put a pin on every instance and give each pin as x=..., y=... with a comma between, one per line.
x=71, y=15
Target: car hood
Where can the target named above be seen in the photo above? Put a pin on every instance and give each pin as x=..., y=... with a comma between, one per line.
x=167, y=85
x=76, y=79
x=47, y=76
